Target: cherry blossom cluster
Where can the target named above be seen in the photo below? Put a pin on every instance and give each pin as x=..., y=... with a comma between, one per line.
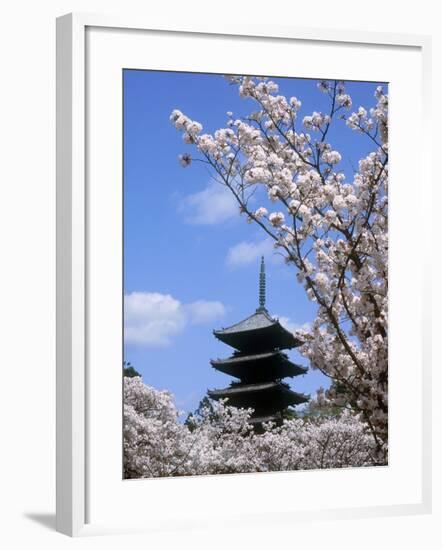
x=220, y=440
x=332, y=229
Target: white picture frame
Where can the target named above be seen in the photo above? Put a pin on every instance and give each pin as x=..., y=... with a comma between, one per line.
x=76, y=203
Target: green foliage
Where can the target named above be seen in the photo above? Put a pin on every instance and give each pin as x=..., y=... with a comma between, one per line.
x=192, y=418
x=129, y=371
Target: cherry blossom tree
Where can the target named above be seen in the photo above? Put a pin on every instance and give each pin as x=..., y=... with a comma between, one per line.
x=155, y=443
x=332, y=230
x=221, y=439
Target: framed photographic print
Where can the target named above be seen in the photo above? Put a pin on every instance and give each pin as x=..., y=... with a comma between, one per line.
x=236, y=313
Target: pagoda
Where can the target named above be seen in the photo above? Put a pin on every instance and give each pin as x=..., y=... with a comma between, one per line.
x=259, y=364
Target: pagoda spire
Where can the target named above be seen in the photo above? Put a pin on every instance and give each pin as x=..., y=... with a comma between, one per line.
x=262, y=286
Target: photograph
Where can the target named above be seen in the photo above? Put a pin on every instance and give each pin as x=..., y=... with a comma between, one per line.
x=255, y=273
x=220, y=281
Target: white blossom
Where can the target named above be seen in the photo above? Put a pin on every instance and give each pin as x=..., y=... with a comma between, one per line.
x=295, y=103
x=276, y=218
x=344, y=100
x=261, y=212
x=332, y=157
x=339, y=202
x=185, y=160
x=220, y=439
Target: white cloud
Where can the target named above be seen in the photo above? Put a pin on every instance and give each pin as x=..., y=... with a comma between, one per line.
x=214, y=204
x=247, y=252
x=152, y=319
x=291, y=326
x=203, y=311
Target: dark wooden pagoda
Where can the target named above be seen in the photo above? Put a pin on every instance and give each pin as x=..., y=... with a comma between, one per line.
x=259, y=364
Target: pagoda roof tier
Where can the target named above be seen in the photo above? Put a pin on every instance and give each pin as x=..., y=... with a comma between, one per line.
x=258, y=333
x=265, y=396
x=259, y=366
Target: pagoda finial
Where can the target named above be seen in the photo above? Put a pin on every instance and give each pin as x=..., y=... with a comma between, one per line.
x=262, y=285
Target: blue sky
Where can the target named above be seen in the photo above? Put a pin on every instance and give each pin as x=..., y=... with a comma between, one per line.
x=191, y=263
